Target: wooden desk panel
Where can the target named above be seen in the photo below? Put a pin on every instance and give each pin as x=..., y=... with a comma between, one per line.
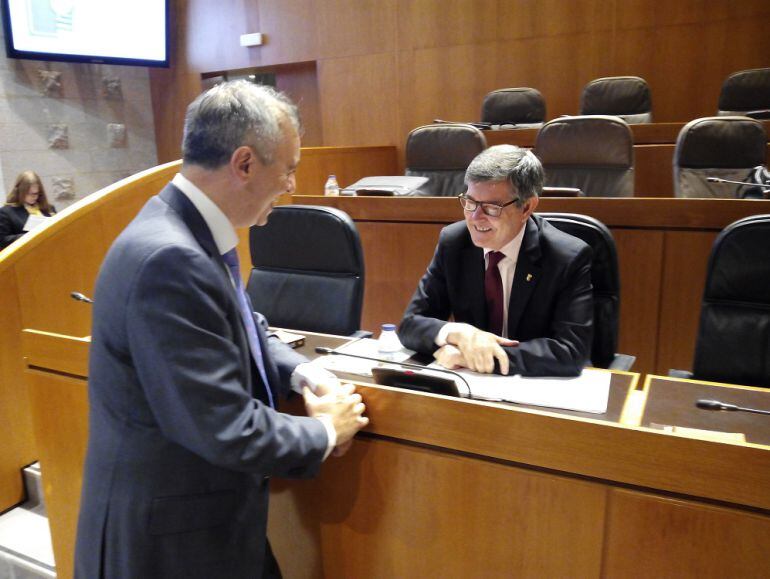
x=349, y=164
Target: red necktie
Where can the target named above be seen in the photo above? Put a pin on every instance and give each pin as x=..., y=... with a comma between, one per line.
x=493, y=290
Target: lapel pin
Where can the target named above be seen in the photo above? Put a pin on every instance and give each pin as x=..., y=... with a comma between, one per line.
x=529, y=277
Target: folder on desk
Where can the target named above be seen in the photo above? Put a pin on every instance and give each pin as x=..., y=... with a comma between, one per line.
x=385, y=186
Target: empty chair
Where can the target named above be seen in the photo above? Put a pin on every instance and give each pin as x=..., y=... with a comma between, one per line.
x=514, y=106
x=733, y=341
x=746, y=92
x=442, y=153
x=605, y=279
x=627, y=97
x=722, y=147
x=308, y=270
x=592, y=153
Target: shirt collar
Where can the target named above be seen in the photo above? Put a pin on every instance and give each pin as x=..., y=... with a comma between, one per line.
x=511, y=249
x=221, y=229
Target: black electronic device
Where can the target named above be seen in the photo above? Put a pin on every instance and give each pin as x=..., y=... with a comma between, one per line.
x=103, y=32
x=415, y=380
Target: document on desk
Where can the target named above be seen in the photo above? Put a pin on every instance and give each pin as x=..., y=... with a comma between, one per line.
x=365, y=347
x=588, y=392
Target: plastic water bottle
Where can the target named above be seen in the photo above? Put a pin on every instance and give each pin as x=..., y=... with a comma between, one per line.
x=388, y=342
x=332, y=188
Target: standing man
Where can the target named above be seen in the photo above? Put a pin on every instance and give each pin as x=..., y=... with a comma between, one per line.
x=518, y=289
x=183, y=382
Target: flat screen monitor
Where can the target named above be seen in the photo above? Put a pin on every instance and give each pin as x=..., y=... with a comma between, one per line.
x=128, y=32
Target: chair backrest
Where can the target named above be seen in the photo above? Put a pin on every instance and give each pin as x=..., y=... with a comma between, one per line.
x=592, y=153
x=733, y=343
x=308, y=270
x=605, y=279
x=514, y=106
x=724, y=147
x=627, y=97
x=745, y=91
x=442, y=153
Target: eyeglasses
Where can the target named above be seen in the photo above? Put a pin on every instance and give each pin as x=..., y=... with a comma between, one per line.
x=490, y=209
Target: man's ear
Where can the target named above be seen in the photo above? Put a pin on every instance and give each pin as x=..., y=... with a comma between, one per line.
x=529, y=208
x=241, y=161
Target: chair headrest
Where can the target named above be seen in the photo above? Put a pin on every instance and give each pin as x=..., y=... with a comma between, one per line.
x=721, y=143
x=591, y=140
x=616, y=95
x=444, y=147
x=331, y=241
x=746, y=90
x=513, y=105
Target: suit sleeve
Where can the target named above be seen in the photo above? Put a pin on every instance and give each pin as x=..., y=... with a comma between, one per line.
x=429, y=308
x=567, y=348
x=9, y=231
x=185, y=351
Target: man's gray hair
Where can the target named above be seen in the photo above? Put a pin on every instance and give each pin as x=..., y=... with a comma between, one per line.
x=520, y=167
x=233, y=114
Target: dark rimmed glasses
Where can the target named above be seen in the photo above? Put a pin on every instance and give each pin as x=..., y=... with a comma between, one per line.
x=489, y=209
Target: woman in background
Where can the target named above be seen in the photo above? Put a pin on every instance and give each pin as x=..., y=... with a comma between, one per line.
x=26, y=202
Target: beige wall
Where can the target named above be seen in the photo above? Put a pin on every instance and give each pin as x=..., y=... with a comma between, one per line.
x=384, y=67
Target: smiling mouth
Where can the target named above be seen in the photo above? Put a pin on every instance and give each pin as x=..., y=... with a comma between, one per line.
x=482, y=229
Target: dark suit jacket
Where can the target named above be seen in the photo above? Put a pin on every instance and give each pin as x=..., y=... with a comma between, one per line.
x=180, y=441
x=551, y=314
x=12, y=220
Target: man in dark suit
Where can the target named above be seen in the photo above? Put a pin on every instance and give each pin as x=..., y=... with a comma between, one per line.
x=518, y=289
x=183, y=380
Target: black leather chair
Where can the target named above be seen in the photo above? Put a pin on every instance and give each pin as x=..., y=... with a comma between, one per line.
x=308, y=270
x=627, y=97
x=442, y=153
x=605, y=278
x=733, y=341
x=592, y=153
x=722, y=147
x=746, y=92
x=523, y=106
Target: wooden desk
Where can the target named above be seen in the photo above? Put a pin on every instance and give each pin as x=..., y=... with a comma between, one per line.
x=654, y=145
x=663, y=247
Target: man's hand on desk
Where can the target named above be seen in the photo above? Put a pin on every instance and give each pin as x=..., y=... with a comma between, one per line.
x=343, y=407
x=477, y=349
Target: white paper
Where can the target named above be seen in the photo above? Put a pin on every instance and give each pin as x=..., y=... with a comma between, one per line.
x=33, y=221
x=365, y=347
x=588, y=392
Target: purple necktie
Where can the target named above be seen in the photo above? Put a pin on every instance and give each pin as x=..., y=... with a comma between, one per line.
x=231, y=259
x=493, y=291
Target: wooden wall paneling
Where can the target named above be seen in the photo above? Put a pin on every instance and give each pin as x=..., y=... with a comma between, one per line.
x=445, y=82
x=640, y=258
x=359, y=100
x=525, y=19
x=437, y=23
x=649, y=536
x=62, y=440
x=349, y=164
x=684, y=276
x=300, y=83
x=396, y=257
x=653, y=170
x=417, y=512
x=374, y=31
x=18, y=441
x=291, y=28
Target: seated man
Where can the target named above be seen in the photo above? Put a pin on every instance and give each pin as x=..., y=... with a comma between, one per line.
x=518, y=289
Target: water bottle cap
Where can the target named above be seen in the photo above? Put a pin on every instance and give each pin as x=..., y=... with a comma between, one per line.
x=332, y=176
x=388, y=327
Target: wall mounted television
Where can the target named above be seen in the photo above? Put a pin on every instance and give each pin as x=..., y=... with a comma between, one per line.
x=127, y=32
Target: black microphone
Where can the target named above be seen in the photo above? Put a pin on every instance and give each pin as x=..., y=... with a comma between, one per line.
x=81, y=298
x=717, y=405
x=322, y=350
